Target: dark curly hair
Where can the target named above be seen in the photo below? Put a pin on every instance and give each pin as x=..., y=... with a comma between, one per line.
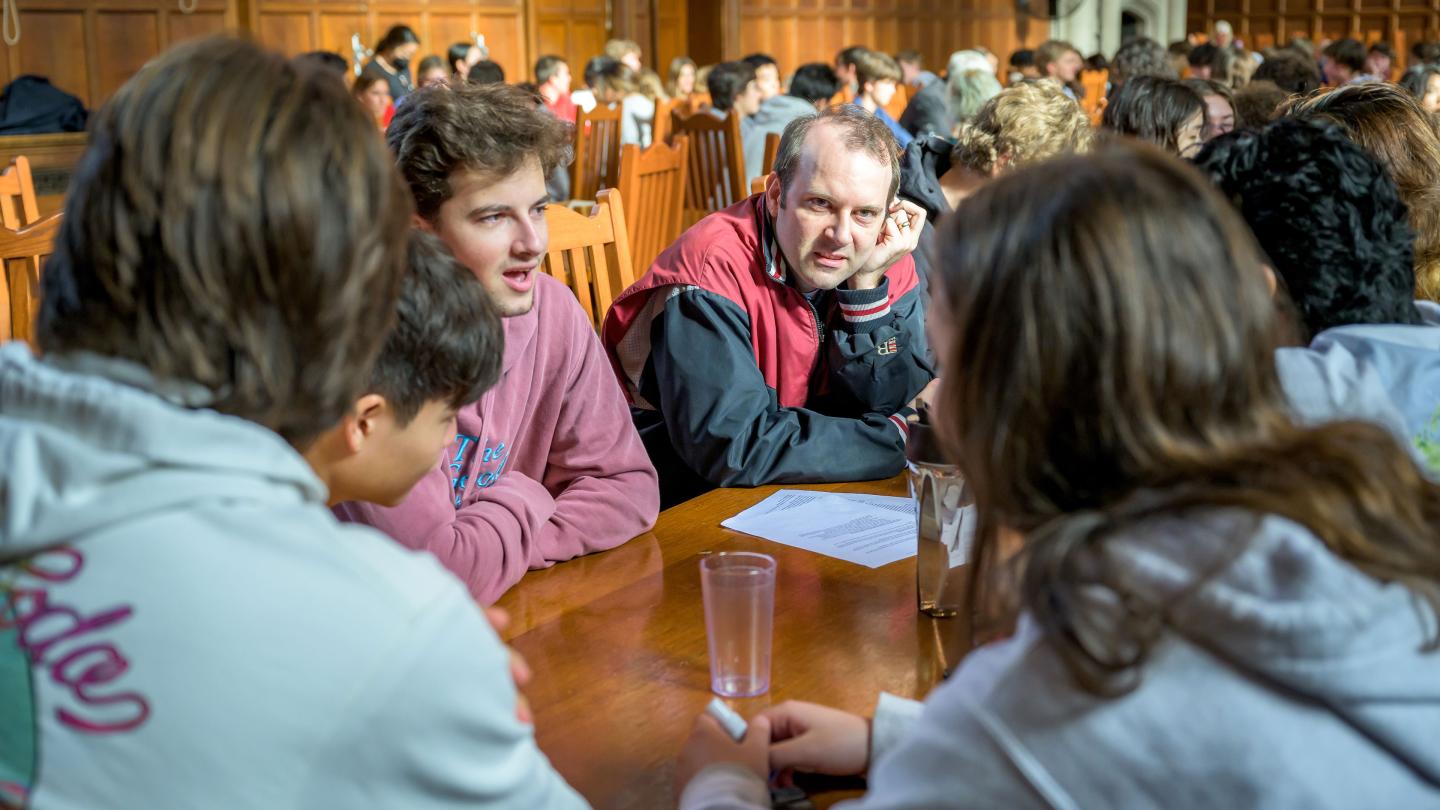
x=1390, y=124
x=488, y=128
x=1328, y=216
x=1290, y=70
x=447, y=341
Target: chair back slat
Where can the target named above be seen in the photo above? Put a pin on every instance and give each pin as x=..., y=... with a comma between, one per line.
x=17, y=195
x=660, y=127
x=653, y=182
x=772, y=149
x=717, y=164
x=22, y=259
x=597, y=152
x=591, y=254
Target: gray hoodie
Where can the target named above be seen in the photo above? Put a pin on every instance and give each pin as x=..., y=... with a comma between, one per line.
x=1288, y=680
x=1386, y=373
x=774, y=115
x=194, y=628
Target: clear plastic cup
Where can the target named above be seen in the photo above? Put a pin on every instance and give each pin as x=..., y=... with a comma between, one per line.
x=739, y=592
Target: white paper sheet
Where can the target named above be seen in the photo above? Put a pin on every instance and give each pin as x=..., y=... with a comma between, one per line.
x=869, y=530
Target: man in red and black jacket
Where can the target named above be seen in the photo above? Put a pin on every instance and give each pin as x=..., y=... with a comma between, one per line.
x=782, y=340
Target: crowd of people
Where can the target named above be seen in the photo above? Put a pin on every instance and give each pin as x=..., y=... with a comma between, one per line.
x=304, y=403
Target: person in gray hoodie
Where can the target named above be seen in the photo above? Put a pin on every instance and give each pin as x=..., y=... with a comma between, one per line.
x=183, y=624
x=811, y=89
x=1217, y=606
x=1336, y=232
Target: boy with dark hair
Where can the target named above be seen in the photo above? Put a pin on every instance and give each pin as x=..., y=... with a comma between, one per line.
x=811, y=89
x=547, y=465
x=552, y=81
x=461, y=57
x=1022, y=66
x=1333, y=225
x=767, y=74
x=1291, y=71
x=1343, y=62
x=732, y=86
x=442, y=354
x=225, y=273
x=486, y=72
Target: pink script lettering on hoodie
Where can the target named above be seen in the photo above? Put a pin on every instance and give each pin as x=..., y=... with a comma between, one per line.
x=51, y=635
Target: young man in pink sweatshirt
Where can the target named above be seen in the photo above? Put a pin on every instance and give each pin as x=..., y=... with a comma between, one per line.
x=547, y=465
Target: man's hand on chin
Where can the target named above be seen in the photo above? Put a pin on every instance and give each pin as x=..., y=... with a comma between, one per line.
x=898, y=238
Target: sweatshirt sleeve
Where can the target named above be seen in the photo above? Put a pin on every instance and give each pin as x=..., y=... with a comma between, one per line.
x=606, y=493
x=433, y=726
x=726, y=422
x=877, y=352
x=608, y=489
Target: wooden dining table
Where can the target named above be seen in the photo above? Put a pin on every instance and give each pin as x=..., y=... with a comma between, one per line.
x=616, y=641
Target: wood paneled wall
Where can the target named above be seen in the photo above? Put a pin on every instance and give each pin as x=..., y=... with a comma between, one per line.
x=91, y=47
x=800, y=31
x=1265, y=23
x=295, y=26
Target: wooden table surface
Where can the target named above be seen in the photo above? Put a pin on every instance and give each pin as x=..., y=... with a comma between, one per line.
x=617, y=644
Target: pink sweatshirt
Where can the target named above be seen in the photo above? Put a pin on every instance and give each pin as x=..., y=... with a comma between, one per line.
x=545, y=467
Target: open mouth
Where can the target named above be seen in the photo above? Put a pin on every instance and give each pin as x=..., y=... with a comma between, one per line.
x=834, y=261
x=519, y=279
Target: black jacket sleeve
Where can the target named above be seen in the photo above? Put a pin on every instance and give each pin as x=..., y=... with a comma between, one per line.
x=879, y=360
x=725, y=422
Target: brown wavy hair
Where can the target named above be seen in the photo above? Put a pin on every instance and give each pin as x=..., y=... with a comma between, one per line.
x=246, y=234
x=1118, y=339
x=1392, y=126
x=491, y=129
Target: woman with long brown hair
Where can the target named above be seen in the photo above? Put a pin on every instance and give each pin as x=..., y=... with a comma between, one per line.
x=1214, y=606
x=1390, y=123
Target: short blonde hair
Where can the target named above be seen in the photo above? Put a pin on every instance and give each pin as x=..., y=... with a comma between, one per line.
x=1027, y=123
x=873, y=66
x=620, y=48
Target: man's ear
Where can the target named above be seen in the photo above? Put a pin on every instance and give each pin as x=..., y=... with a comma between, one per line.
x=772, y=195
x=364, y=420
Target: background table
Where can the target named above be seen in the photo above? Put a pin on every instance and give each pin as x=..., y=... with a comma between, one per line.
x=617, y=644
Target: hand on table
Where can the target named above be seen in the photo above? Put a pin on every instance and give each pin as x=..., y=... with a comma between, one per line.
x=811, y=738
x=709, y=744
x=926, y=399
x=519, y=670
x=898, y=237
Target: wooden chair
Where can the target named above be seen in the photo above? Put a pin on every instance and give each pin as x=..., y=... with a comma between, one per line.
x=17, y=195
x=1093, y=104
x=717, y=164
x=22, y=255
x=660, y=127
x=694, y=103
x=653, y=181
x=591, y=254
x=597, y=152
x=772, y=148
x=757, y=185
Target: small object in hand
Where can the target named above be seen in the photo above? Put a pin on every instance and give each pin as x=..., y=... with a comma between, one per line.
x=733, y=723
